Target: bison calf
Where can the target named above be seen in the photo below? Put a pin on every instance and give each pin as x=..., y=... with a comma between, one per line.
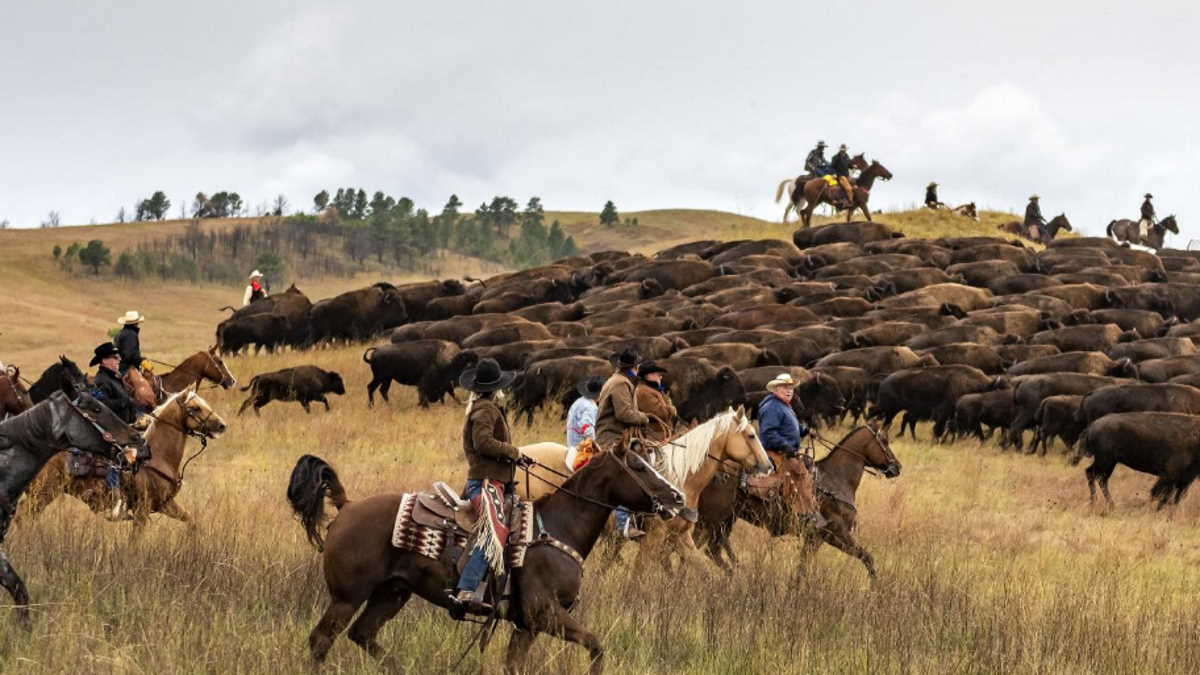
x=303, y=384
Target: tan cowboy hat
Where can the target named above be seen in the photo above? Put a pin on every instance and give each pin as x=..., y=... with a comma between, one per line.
x=1034, y=198
x=781, y=380
x=131, y=317
x=933, y=185
x=256, y=274
x=842, y=147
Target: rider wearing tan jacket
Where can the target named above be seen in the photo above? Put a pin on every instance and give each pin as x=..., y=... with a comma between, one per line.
x=618, y=409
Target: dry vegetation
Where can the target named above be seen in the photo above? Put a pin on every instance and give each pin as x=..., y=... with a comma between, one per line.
x=989, y=562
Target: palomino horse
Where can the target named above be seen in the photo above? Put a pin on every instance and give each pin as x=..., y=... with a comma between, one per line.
x=1053, y=227
x=554, y=464
x=362, y=566
x=1126, y=230
x=792, y=186
x=193, y=370
x=30, y=439
x=154, y=488
x=817, y=191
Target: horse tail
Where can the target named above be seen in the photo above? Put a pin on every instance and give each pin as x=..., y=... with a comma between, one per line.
x=312, y=481
x=1109, y=228
x=787, y=183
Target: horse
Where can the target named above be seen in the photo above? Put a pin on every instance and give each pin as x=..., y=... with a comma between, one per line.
x=967, y=210
x=153, y=489
x=817, y=191
x=796, y=197
x=1056, y=224
x=1125, y=230
x=139, y=388
x=361, y=565
x=204, y=365
x=553, y=463
x=837, y=478
x=30, y=439
x=14, y=397
x=63, y=375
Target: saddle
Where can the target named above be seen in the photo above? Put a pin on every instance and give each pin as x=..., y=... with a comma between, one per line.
x=85, y=465
x=791, y=482
x=440, y=524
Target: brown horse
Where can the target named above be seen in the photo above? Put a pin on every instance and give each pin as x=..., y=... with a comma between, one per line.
x=792, y=186
x=154, y=488
x=193, y=370
x=139, y=388
x=362, y=566
x=967, y=210
x=1125, y=230
x=14, y=397
x=837, y=478
x=1057, y=223
x=817, y=191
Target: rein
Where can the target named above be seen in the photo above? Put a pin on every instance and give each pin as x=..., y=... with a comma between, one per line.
x=867, y=466
x=191, y=433
x=611, y=507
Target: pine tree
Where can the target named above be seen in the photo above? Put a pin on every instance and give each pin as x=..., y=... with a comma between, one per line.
x=321, y=200
x=609, y=215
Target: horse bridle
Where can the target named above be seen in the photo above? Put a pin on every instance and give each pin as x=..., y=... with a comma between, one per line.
x=203, y=436
x=105, y=435
x=868, y=465
x=622, y=462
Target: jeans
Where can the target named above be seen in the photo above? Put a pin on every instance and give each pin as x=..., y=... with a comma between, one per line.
x=622, y=519
x=113, y=478
x=477, y=565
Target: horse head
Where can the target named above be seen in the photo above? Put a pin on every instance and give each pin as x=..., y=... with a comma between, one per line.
x=87, y=424
x=878, y=170
x=1061, y=221
x=741, y=443
x=1168, y=224
x=645, y=490
x=878, y=454
x=859, y=161
x=215, y=369
x=196, y=416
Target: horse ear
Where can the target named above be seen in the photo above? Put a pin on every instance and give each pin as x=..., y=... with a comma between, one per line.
x=873, y=425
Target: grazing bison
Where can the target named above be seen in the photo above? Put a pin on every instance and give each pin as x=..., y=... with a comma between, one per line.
x=432, y=366
x=928, y=393
x=1057, y=417
x=1154, y=348
x=1031, y=390
x=993, y=409
x=303, y=384
x=1139, y=397
x=1161, y=370
x=1087, y=338
x=258, y=330
x=357, y=315
x=1088, y=363
x=1166, y=445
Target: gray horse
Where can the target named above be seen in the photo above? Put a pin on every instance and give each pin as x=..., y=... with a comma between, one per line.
x=30, y=439
x=1127, y=230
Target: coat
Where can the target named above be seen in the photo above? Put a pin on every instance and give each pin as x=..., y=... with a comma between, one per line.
x=656, y=404
x=1033, y=214
x=815, y=163
x=486, y=443
x=841, y=164
x=617, y=411
x=129, y=343
x=778, y=427
x=1148, y=211
x=109, y=390
x=931, y=196
x=581, y=421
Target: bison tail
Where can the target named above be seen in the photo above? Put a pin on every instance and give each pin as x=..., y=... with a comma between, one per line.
x=250, y=386
x=1084, y=447
x=313, y=479
x=226, y=307
x=367, y=355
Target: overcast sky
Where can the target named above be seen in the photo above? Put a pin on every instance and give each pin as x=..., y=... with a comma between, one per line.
x=651, y=104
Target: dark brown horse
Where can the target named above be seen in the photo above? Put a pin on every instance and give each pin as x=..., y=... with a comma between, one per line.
x=837, y=478
x=793, y=187
x=817, y=191
x=1127, y=231
x=193, y=370
x=154, y=488
x=362, y=566
x=62, y=375
x=1057, y=223
x=14, y=397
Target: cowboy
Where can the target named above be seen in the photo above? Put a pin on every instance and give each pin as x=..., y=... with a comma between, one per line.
x=254, y=289
x=617, y=414
x=581, y=418
x=931, y=197
x=491, y=466
x=129, y=342
x=653, y=400
x=778, y=426
x=1034, y=223
x=109, y=390
x=1149, y=218
x=841, y=169
x=815, y=164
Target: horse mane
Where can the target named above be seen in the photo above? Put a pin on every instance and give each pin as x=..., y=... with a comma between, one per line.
x=683, y=456
x=841, y=442
x=162, y=409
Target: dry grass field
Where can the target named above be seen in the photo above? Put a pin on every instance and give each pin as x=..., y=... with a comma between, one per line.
x=989, y=562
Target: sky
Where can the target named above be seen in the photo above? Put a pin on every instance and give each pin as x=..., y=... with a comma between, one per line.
x=651, y=104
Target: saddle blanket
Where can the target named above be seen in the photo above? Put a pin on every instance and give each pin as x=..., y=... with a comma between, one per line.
x=433, y=532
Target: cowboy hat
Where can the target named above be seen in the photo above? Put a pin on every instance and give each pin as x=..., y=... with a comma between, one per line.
x=256, y=274
x=1149, y=196
x=781, y=380
x=820, y=144
x=132, y=316
x=103, y=352
x=485, y=377
x=934, y=184
x=590, y=387
x=626, y=358
x=649, y=368
x=1034, y=198
x=842, y=147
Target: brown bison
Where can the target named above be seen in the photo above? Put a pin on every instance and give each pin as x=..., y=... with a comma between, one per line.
x=1154, y=348
x=928, y=393
x=1161, y=370
x=303, y=384
x=432, y=366
x=857, y=232
x=357, y=315
x=984, y=357
x=1166, y=445
x=1057, y=417
x=292, y=304
x=1139, y=397
x=256, y=330
x=877, y=360
x=1087, y=338
x=735, y=355
x=701, y=389
x=1088, y=363
x=1031, y=390
x=993, y=409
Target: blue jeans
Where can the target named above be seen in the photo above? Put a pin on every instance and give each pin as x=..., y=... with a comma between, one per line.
x=477, y=565
x=622, y=519
x=113, y=478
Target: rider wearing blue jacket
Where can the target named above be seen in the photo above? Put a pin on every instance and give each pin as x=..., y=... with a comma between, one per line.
x=778, y=426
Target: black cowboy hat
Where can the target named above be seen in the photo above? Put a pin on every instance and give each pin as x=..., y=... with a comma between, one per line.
x=626, y=358
x=485, y=377
x=1149, y=196
x=103, y=352
x=649, y=368
x=590, y=387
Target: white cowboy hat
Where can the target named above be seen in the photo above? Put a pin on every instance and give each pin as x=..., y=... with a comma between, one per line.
x=1033, y=198
x=781, y=380
x=256, y=274
x=132, y=316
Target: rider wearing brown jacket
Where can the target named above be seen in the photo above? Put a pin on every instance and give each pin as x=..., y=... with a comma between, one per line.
x=618, y=409
x=654, y=401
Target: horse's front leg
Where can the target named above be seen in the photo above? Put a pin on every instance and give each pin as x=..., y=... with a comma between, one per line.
x=518, y=650
x=12, y=583
x=568, y=628
x=838, y=535
x=172, y=509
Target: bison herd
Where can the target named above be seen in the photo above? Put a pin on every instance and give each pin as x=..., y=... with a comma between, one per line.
x=1085, y=342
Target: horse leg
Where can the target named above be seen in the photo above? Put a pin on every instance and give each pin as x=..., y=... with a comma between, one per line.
x=172, y=509
x=568, y=628
x=842, y=540
x=812, y=542
x=16, y=588
x=333, y=622
x=384, y=604
x=518, y=650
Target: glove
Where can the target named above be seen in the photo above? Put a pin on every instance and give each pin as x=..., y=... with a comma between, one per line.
x=146, y=366
x=803, y=430
x=524, y=460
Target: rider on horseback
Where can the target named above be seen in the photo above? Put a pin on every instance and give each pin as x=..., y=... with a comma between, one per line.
x=109, y=390
x=654, y=400
x=931, y=197
x=841, y=168
x=1149, y=218
x=491, y=467
x=618, y=413
x=1034, y=223
x=815, y=164
x=129, y=342
x=781, y=432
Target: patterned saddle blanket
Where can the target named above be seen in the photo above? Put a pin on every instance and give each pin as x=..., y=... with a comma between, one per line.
x=439, y=525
